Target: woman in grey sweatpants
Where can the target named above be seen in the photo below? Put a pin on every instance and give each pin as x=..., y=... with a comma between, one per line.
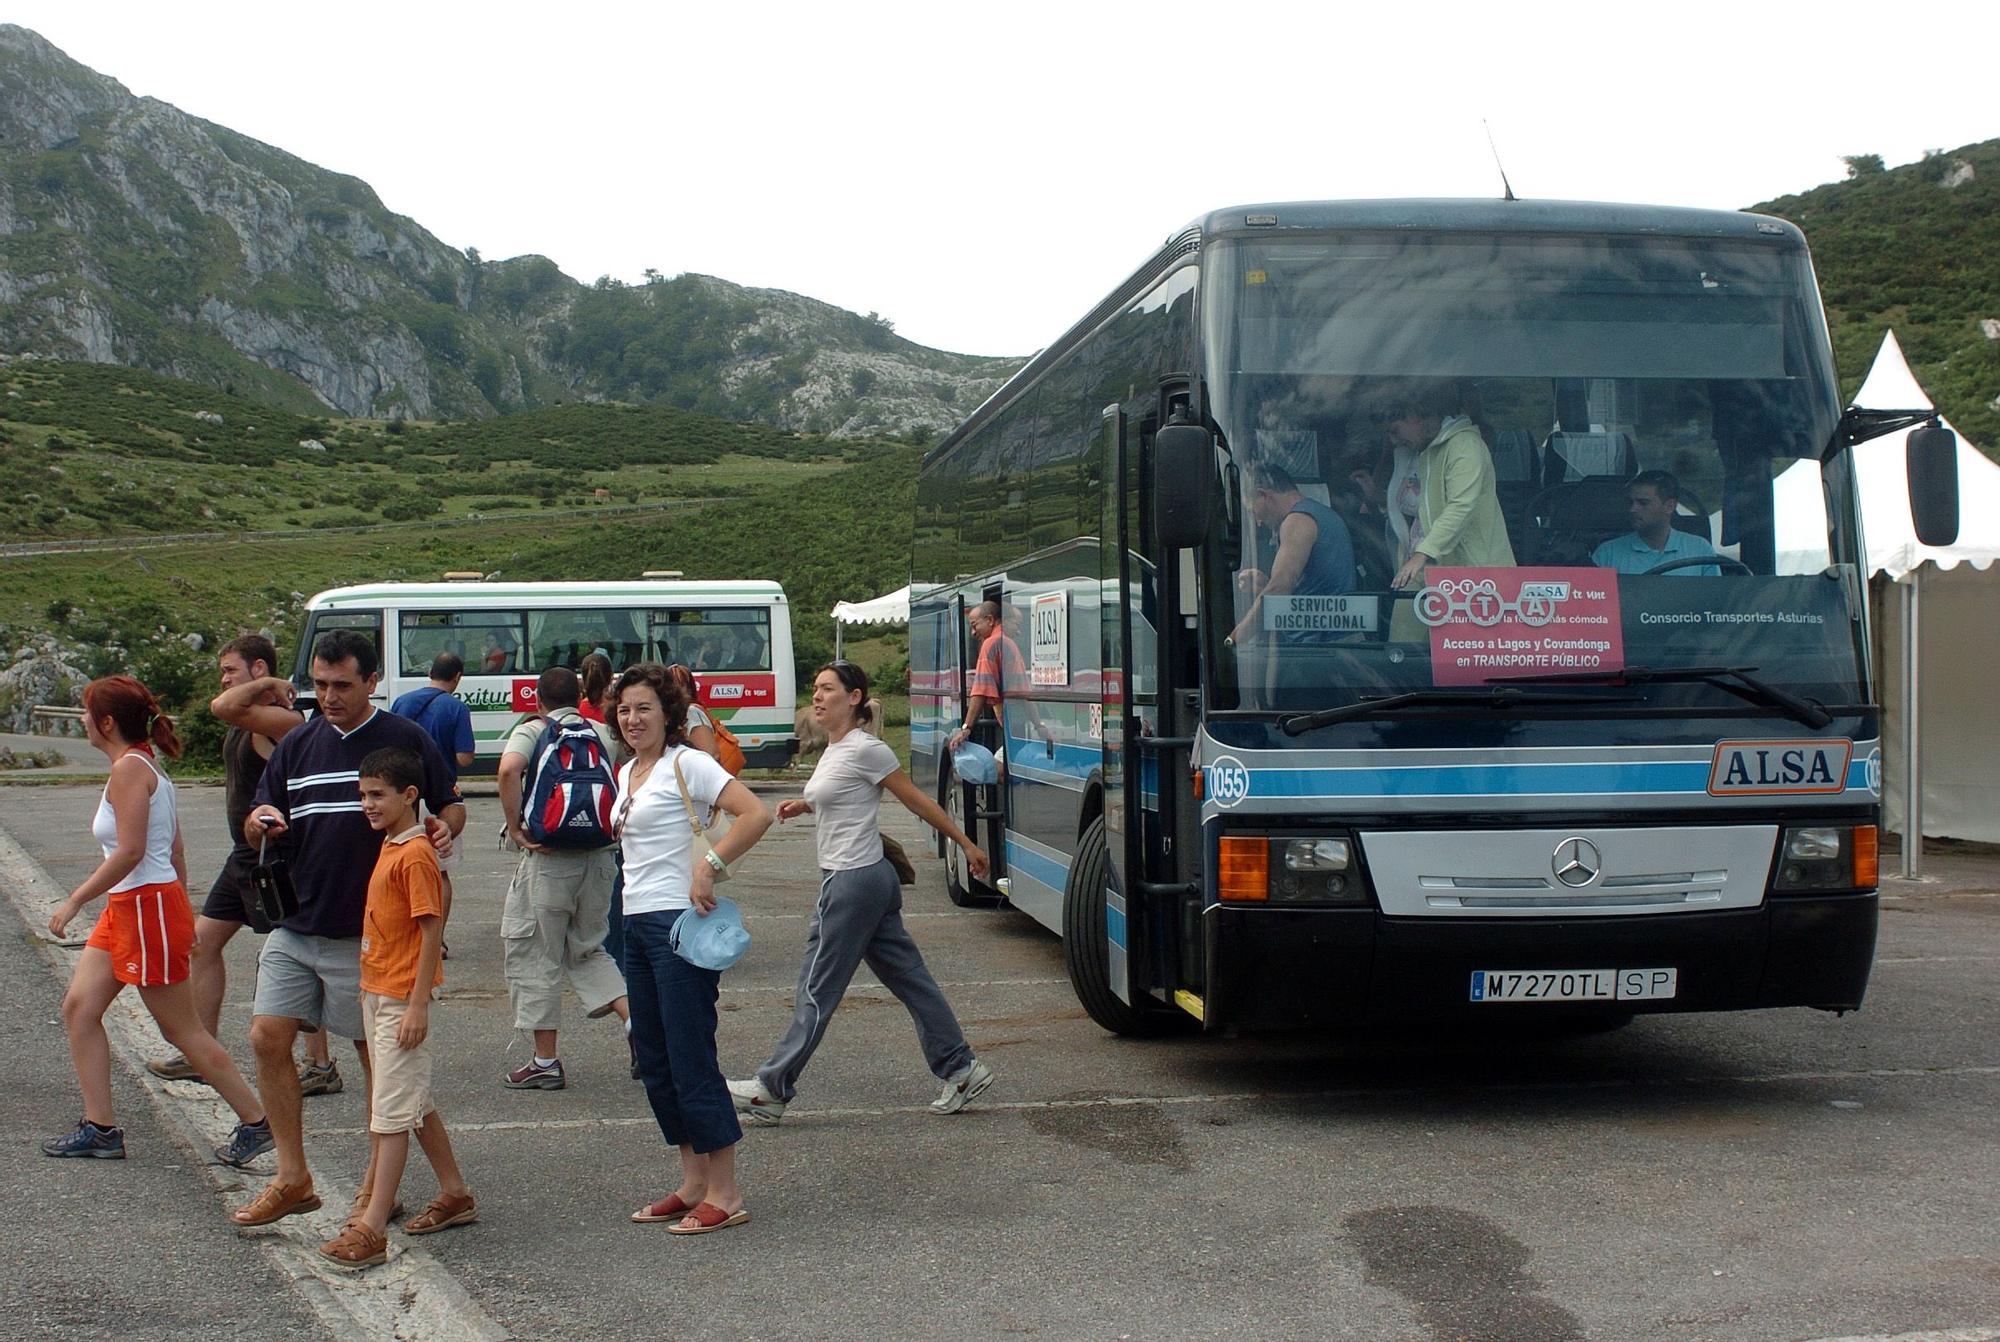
x=859, y=916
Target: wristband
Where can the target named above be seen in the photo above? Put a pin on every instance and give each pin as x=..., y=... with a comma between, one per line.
x=715, y=860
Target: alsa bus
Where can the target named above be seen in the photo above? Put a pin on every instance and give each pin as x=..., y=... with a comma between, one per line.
x=735, y=636
x=1527, y=783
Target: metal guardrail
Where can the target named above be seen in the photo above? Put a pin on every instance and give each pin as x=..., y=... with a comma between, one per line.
x=54, y=713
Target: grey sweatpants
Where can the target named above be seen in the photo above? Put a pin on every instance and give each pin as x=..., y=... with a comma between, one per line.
x=860, y=918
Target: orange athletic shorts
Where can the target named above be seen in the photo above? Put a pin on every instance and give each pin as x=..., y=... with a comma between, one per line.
x=148, y=931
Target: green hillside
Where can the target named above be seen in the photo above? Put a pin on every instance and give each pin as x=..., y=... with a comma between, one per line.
x=1916, y=248
x=100, y=450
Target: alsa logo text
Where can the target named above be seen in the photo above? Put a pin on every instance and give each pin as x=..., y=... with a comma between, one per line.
x=1748, y=768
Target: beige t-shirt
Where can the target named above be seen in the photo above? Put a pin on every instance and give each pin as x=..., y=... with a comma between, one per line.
x=521, y=741
x=845, y=791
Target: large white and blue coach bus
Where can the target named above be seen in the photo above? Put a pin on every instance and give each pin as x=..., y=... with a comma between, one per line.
x=1536, y=787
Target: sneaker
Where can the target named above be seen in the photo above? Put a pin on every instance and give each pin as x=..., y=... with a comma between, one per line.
x=176, y=1068
x=317, y=1080
x=249, y=1141
x=528, y=1076
x=963, y=1088
x=759, y=1104
x=88, y=1141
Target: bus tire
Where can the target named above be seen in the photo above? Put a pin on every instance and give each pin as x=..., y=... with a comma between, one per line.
x=960, y=886
x=1087, y=947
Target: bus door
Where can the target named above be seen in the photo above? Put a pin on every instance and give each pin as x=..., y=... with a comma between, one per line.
x=1162, y=849
x=1008, y=721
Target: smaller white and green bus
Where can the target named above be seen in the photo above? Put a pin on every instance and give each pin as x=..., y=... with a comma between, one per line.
x=735, y=636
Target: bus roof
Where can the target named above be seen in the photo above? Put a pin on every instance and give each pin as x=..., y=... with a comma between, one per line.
x=1412, y=215
x=1494, y=216
x=477, y=594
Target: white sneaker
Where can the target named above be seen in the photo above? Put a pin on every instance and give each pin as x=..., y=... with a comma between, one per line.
x=757, y=1103
x=963, y=1088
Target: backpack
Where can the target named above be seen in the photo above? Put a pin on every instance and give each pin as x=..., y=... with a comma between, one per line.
x=569, y=788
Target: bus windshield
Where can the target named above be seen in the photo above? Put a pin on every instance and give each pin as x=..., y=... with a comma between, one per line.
x=1470, y=460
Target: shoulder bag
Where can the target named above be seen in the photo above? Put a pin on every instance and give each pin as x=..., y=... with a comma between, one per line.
x=699, y=839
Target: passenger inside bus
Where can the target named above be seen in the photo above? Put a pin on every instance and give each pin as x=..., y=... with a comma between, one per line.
x=1448, y=496
x=1314, y=553
x=498, y=658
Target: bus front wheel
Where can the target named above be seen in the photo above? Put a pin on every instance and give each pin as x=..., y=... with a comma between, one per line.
x=1087, y=947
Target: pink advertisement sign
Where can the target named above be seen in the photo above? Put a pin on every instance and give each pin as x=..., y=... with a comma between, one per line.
x=1492, y=623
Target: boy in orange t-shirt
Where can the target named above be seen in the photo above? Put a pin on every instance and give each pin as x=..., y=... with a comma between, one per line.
x=402, y=943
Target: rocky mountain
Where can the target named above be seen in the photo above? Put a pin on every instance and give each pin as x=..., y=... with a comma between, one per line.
x=133, y=233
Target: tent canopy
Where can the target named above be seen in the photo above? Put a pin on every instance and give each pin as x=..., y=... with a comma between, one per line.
x=1893, y=547
x=891, y=609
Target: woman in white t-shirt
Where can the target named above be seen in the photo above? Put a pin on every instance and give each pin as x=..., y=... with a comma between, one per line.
x=673, y=1001
x=860, y=911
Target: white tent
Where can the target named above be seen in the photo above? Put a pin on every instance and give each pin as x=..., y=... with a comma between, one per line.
x=1946, y=656
x=891, y=609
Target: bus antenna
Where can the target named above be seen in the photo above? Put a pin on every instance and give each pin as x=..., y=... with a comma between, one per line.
x=1504, y=183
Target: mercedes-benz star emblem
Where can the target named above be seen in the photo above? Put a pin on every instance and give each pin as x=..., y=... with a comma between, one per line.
x=1577, y=862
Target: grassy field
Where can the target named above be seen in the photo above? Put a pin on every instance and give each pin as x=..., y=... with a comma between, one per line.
x=91, y=450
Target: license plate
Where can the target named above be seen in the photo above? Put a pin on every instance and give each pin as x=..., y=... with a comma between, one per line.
x=1573, y=985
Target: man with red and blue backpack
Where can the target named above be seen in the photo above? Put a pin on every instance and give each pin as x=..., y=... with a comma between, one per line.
x=556, y=784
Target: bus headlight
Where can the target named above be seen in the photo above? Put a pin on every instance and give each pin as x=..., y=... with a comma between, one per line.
x=1315, y=855
x=1827, y=857
x=1287, y=869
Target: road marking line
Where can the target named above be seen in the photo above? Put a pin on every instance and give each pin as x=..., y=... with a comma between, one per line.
x=1235, y=1097
x=411, y=1295
x=785, y=990
x=1931, y=1335
x=1935, y=960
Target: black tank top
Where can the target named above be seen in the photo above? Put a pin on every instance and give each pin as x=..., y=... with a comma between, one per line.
x=242, y=770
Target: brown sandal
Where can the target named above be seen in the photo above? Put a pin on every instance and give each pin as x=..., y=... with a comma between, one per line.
x=672, y=1207
x=442, y=1214
x=276, y=1202
x=356, y=1246
x=359, y=1207
x=709, y=1218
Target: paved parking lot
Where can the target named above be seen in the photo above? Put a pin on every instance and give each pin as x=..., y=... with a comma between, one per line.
x=1770, y=1175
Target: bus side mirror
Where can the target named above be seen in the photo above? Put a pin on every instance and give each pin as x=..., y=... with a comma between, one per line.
x=1932, y=460
x=1183, y=484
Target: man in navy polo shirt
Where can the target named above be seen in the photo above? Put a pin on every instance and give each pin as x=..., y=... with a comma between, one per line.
x=309, y=973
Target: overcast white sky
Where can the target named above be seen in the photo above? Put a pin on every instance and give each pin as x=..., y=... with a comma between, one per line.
x=981, y=174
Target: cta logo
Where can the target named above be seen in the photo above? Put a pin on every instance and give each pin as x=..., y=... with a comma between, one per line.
x=1228, y=781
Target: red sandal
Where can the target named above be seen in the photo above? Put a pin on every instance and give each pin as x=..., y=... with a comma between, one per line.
x=669, y=1208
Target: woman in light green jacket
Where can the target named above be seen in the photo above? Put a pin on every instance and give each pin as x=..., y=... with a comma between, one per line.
x=1458, y=523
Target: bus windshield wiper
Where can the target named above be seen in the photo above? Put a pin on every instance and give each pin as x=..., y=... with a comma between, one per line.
x=1736, y=680
x=1297, y=724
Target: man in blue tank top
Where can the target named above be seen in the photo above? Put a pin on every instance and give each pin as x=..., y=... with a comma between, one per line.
x=1315, y=552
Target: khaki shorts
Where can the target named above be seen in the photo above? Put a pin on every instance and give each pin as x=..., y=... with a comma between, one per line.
x=402, y=1089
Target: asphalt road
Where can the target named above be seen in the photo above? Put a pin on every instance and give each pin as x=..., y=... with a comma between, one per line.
x=1768, y=1175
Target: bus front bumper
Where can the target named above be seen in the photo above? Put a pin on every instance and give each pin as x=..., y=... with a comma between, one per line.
x=1278, y=968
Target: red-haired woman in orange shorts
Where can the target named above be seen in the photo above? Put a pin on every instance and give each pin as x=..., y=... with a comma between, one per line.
x=146, y=933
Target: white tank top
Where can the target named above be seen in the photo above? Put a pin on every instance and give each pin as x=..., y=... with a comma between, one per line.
x=157, y=866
